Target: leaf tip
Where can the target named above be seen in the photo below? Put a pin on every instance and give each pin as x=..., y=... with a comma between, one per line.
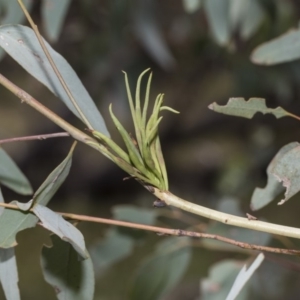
x=212, y=106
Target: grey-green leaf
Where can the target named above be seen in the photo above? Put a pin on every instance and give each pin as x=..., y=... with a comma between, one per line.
x=222, y=276
x=11, y=176
x=72, y=279
x=58, y=225
x=55, y=179
x=239, y=107
x=53, y=15
x=9, y=274
x=287, y=171
x=245, y=17
x=22, y=45
x=13, y=221
x=12, y=14
x=218, y=17
x=132, y=213
x=113, y=248
x=191, y=6
x=244, y=276
x=162, y=270
x=282, y=49
x=263, y=196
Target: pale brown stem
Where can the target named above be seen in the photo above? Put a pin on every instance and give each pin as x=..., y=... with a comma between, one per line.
x=168, y=231
x=35, y=137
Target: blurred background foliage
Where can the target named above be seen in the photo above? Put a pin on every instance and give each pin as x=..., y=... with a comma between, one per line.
x=199, y=52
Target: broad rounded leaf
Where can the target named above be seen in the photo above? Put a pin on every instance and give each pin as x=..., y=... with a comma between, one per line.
x=71, y=278
x=9, y=274
x=58, y=225
x=11, y=176
x=239, y=107
x=285, y=48
x=162, y=270
x=22, y=45
x=53, y=13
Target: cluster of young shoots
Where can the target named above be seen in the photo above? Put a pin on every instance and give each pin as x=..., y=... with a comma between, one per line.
x=143, y=159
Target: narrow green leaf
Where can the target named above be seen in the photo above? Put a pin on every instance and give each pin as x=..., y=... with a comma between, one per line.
x=139, y=129
x=22, y=45
x=153, y=132
x=244, y=276
x=154, y=116
x=282, y=49
x=169, y=109
x=263, y=196
x=112, y=145
x=162, y=271
x=58, y=225
x=9, y=274
x=247, y=109
x=161, y=162
x=146, y=103
x=222, y=276
x=11, y=176
x=13, y=221
x=130, y=100
x=113, y=248
x=71, y=278
x=133, y=152
x=53, y=15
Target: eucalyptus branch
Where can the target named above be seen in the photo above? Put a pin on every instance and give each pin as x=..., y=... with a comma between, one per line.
x=166, y=231
x=35, y=137
x=165, y=196
x=227, y=219
x=55, y=69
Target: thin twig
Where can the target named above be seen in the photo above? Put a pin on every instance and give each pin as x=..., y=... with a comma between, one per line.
x=55, y=69
x=168, y=231
x=73, y=131
x=35, y=137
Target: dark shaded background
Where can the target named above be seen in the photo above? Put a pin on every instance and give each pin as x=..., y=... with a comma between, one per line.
x=208, y=156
